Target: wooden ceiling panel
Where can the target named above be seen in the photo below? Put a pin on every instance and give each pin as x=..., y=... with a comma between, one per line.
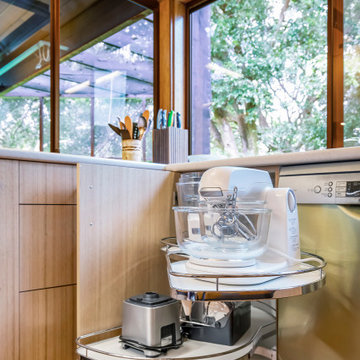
x=11, y=17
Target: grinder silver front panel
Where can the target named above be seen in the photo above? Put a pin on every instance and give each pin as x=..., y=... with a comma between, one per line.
x=151, y=326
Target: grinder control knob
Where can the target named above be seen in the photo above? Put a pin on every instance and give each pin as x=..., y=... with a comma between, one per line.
x=151, y=295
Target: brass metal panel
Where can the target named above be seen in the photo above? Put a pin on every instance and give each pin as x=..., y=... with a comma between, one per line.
x=326, y=324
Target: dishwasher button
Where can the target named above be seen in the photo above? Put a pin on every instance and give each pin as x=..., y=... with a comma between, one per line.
x=330, y=189
x=329, y=194
x=330, y=183
x=317, y=189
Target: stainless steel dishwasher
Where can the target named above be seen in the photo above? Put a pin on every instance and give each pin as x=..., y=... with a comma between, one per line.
x=325, y=324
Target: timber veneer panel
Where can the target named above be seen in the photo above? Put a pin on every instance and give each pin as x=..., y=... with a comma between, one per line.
x=122, y=215
x=47, y=324
x=47, y=246
x=42, y=183
x=9, y=264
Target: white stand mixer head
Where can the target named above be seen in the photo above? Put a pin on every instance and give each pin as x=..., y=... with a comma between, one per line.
x=219, y=183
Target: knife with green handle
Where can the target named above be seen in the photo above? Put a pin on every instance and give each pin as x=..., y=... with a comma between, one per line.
x=170, y=118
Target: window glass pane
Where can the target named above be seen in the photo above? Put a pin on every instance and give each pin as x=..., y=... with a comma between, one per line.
x=46, y=124
x=258, y=77
x=75, y=125
x=24, y=51
x=107, y=72
x=108, y=80
x=19, y=125
x=351, y=73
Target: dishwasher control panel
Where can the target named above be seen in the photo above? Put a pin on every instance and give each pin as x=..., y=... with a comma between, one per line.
x=332, y=188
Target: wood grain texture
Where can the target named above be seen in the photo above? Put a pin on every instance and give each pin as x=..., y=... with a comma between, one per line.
x=172, y=60
x=122, y=215
x=335, y=86
x=180, y=58
x=165, y=55
x=9, y=285
x=47, y=246
x=42, y=183
x=47, y=325
x=170, y=145
x=55, y=76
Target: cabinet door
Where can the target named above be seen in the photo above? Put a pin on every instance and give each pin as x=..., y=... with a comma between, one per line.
x=42, y=183
x=9, y=275
x=122, y=215
x=47, y=325
x=47, y=246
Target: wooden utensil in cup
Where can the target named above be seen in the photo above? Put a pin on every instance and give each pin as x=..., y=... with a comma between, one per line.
x=129, y=125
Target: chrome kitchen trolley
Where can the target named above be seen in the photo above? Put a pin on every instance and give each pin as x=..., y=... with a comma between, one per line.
x=296, y=280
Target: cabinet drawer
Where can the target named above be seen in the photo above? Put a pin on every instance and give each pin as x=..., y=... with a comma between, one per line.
x=47, y=324
x=47, y=246
x=42, y=183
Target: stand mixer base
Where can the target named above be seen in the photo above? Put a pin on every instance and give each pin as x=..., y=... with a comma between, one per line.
x=215, y=267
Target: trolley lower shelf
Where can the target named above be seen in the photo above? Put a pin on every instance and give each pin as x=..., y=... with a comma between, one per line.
x=263, y=323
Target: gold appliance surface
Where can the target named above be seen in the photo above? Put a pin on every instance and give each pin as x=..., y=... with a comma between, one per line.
x=325, y=325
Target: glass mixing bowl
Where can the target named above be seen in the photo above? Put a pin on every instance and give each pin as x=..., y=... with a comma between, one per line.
x=232, y=233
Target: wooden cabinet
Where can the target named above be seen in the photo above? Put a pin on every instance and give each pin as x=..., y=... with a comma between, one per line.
x=9, y=264
x=37, y=260
x=42, y=183
x=47, y=324
x=47, y=246
x=122, y=215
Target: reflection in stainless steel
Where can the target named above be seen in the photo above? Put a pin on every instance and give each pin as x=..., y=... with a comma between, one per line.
x=248, y=295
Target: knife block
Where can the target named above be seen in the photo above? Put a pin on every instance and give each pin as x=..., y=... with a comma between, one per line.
x=170, y=145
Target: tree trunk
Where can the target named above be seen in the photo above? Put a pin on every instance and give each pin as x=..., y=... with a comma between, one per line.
x=216, y=134
x=262, y=120
x=240, y=119
x=283, y=10
x=229, y=139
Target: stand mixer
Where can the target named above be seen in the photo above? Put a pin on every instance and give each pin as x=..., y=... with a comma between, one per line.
x=243, y=225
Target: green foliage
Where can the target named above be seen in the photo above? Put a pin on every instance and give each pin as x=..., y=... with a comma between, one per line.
x=19, y=123
x=75, y=126
x=269, y=82
x=19, y=127
x=352, y=74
